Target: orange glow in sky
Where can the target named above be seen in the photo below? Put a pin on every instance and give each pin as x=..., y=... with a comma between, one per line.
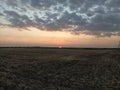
x=34, y=37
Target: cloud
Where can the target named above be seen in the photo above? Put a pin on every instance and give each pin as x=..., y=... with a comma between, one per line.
x=93, y=17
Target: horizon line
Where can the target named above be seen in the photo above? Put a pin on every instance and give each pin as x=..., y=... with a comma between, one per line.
x=65, y=47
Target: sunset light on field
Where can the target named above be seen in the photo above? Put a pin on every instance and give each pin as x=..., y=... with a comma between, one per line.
x=59, y=44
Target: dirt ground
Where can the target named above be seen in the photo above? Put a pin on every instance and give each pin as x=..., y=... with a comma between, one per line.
x=59, y=69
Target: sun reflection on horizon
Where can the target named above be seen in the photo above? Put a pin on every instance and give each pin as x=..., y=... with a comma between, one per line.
x=60, y=46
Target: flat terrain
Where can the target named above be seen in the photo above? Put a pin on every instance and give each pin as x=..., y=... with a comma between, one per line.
x=59, y=69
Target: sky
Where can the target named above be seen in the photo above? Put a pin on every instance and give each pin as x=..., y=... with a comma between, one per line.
x=66, y=23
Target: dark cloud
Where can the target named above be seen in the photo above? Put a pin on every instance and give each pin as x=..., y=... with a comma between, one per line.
x=1, y=14
x=11, y=2
x=93, y=17
x=110, y=22
x=35, y=3
x=18, y=20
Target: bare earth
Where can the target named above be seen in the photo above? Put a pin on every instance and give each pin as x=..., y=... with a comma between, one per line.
x=59, y=69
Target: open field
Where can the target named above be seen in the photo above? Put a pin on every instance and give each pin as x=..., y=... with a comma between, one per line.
x=59, y=69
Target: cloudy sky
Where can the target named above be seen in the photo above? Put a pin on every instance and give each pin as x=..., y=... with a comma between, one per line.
x=72, y=23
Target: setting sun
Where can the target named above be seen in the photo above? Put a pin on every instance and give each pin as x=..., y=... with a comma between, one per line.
x=59, y=44
x=60, y=47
